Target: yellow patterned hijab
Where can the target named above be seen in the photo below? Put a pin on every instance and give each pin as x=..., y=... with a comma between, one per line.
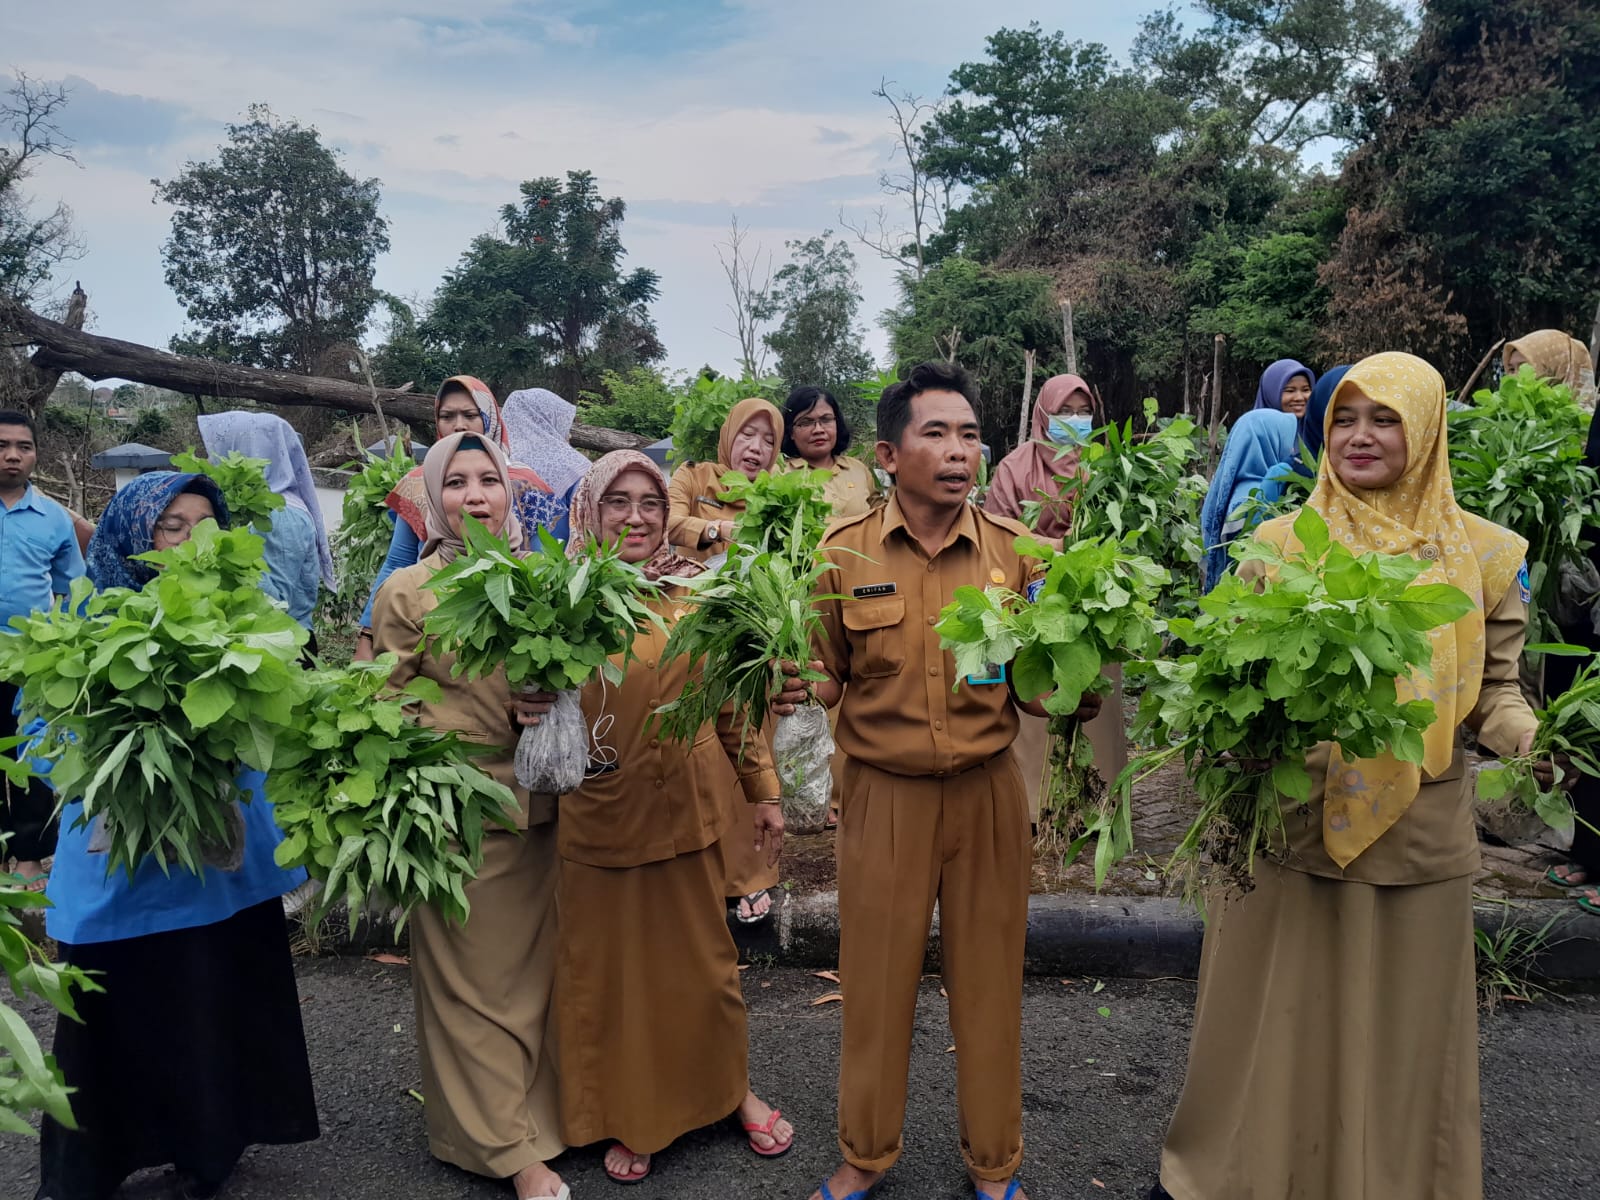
x=1416, y=515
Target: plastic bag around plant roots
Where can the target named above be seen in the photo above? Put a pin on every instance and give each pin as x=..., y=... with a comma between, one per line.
x=802, y=745
x=552, y=755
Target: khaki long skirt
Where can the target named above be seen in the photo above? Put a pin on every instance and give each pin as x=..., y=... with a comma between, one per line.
x=482, y=994
x=1335, y=1047
x=649, y=1012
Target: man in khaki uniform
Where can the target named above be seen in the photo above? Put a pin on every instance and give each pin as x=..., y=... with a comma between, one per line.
x=934, y=807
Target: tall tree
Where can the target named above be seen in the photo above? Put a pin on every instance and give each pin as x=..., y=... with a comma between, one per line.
x=31, y=246
x=547, y=299
x=273, y=247
x=1476, y=197
x=816, y=298
x=904, y=237
x=750, y=281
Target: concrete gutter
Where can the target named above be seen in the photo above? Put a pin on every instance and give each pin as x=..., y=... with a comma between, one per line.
x=1135, y=937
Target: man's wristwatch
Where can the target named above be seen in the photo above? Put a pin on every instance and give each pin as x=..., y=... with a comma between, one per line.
x=713, y=532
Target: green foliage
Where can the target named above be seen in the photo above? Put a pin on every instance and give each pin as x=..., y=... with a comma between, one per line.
x=30, y=1081
x=637, y=401
x=994, y=316
x=1516, y=458
x=381, y=810
x=1147, y=489
x=698, y=413
x=752, y=612
x=1095, y=606
x=777, y=505
x=550, y=298
x=272, y=248
x=1507, y=958
x=154, y=698
x=815, y=298
x=551, y=621
x=243, y=483
x=361, y=542
x=1569, y=734
x=1270, y=669
x=1271, y=302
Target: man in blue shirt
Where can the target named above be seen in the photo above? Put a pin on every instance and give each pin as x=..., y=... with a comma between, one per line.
x=39, y=559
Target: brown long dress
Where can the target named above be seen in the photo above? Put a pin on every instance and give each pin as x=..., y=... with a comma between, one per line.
x=649, y=1010
x=482, y=990
x=1335, y=1046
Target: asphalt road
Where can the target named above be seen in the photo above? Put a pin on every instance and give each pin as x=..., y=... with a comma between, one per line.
x=1101, y=1073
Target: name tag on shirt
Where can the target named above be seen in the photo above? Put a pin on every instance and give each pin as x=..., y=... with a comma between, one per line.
x=993, y=673
x=872, y=590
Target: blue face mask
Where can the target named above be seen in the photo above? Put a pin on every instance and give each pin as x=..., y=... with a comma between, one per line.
x=1071, y=431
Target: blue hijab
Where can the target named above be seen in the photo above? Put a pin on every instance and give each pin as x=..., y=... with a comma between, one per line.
x=1315, y=419
x=1269, y=392
x=1258, y=444
x=128, y=526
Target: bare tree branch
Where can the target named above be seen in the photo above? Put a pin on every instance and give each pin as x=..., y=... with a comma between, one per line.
x=752, y=301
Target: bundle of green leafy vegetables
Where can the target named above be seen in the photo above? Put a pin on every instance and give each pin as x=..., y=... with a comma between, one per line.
x=1273, y=666
x=551, y=622
x=362, y=541
x=154, y=698
x=379, y=809
x=1568, y=734
x=777, y=504
x=699, y=412
x=243, y=483
x=1094, y=605
x=30, y=1081
x=1517, y=459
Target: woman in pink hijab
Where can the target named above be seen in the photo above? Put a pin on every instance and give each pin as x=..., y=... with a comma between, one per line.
x=1063, y=417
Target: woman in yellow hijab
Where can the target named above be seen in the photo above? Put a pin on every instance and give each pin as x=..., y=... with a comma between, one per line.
x=1556, y=356
x=1335, y=1046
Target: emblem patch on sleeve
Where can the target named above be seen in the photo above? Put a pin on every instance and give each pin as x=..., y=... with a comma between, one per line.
x=1524, y=584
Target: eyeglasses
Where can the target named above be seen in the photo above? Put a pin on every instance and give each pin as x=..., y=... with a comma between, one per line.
x=806, y=424
x=624, y=506
x=173, y=525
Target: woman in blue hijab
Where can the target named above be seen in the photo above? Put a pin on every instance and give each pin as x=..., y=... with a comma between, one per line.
x=1285, y=387
x=1259, y=445
x=194, y=1050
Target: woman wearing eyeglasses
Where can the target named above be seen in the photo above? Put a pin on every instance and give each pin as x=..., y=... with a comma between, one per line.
x=650, y=1019
x=816, y=435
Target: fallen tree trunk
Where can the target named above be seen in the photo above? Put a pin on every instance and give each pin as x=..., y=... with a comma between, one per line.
x=44, y=381
x=62, y=348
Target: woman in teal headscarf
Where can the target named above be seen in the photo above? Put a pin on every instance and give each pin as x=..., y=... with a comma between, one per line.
x=194, y=1050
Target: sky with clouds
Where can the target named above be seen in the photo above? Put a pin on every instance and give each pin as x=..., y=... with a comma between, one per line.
x=690, y=110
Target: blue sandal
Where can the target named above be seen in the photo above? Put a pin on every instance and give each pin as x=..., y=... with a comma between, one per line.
x=1012, y=1189
x=827, y=1192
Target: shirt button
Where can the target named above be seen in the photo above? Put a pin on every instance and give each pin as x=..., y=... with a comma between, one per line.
x=932, y=620
x=930, y=566
x=938, y=724
x=655, y=743
x=1430, y=551
x=651, y=664
x=661, y=783
x=934, y=671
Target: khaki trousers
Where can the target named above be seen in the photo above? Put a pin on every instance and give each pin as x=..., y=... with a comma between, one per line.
x=482, y=995
x=904, y=843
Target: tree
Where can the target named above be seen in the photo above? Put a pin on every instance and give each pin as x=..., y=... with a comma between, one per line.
x=640, y=401
x=1284, y=69
x=272, y=247
x=985, y=319
x=548, y=301
x=817, y=340
x=924, y=199
x=751, y=285
x=1476, y=197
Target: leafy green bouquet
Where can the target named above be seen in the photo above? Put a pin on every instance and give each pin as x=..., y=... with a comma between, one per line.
x=362, y=541
x=1273, y=667
x=243, y=483
x=1094, y=605
x=552, y=622
x=1569, y=734
x=1516, y=458
x=376, y=807
x=154, y=698
x=698, y=415
x=753, y=611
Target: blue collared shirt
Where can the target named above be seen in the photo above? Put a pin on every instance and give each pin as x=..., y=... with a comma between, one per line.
x=39, y=555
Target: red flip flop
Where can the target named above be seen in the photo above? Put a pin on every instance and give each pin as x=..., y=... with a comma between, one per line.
x=777, y=1151
x=627, y=1177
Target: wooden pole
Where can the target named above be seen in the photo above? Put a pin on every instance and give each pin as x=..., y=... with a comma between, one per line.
x=1464, y=396
x=62, y=348
x=1216, y=403
x=1186, y=411
x=1028, y=357
x=1068, y=338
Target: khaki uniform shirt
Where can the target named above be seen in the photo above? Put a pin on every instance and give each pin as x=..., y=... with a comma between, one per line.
x=851, y=486
x=692, y=504
x=899, y=712
x=649, y=798
x=478, y=710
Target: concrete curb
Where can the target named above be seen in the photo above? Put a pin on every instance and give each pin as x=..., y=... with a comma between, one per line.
x=1132, y=937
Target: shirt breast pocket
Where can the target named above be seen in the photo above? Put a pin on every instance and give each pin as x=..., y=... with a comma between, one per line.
x=877, y=641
